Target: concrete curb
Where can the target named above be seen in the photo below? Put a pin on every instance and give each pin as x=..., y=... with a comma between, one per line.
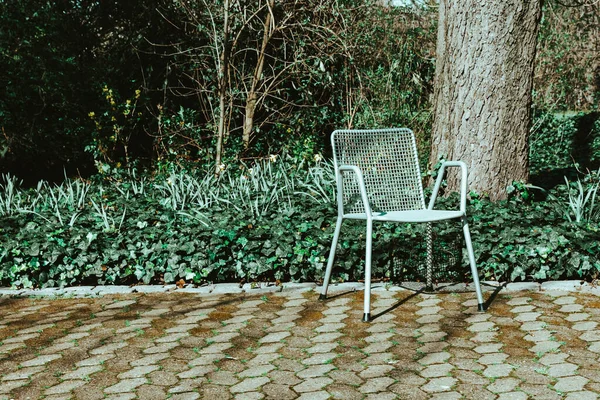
x=234, y=288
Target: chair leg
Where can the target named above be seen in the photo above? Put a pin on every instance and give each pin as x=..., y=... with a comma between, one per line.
x=429, y=272
x=336, y=236
x=367, y=314
x=472, y=262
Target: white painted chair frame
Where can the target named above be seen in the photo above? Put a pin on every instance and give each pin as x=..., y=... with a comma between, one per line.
x=380, y=157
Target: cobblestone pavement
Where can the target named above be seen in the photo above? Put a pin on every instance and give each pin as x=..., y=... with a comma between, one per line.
x=288, y=345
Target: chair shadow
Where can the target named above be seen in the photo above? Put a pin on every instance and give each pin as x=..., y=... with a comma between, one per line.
x=486, y=305
x=398, y=304
x=338, y=294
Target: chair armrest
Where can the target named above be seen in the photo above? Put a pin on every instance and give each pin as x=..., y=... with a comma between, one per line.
x=463, y=183
x=361, y=187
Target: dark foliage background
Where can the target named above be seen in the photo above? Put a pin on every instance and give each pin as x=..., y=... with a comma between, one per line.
x=346, y=63
x=128, y=99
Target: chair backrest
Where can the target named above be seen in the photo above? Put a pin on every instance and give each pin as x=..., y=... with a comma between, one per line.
x=390, y=165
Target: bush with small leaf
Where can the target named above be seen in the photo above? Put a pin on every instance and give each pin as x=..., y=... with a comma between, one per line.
x=273, y=220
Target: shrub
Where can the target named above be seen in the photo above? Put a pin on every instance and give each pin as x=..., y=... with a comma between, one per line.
x=268, y=221
x=562, y=142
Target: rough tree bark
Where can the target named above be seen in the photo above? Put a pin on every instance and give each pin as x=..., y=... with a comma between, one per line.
x=483, y=85
x=252, y=99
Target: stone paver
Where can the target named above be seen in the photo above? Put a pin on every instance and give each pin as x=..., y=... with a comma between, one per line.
x=437, y=370
x=65, y=387
x=23, y=373
x=439, y=385
x=503, y=385
x=435, y=358
x=40, y=360
x=125, y=385
x=570, y=384
x=376, y=385
x=245, y=343
x=513, y=396
x=250, y=384
x=315, y=371
x=561, y=370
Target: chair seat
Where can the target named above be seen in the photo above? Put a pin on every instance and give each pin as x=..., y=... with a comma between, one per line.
x=410, y=216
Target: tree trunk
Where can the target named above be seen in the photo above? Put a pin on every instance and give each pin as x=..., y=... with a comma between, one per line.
x=223, y=83
x=252, y=97
x=483, y=85
x=249, y=119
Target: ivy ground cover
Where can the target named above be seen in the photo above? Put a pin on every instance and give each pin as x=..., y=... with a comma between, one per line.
x=273, y=221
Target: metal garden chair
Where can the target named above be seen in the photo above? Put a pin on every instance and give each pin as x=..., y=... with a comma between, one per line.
x=378, y=179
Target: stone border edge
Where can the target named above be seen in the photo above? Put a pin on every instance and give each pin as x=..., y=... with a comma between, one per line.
x=234, y=288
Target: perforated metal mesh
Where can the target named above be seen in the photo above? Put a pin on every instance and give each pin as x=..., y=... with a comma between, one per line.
x=412, y=263
x=390, y=166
